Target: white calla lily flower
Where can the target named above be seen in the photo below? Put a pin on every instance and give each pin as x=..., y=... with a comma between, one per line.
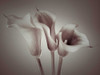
x=47, y=21
x=71, y=40
x=31, y=34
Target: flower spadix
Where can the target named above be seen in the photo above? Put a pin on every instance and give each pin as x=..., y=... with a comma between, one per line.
x=47, y=20
x=31, y=34
x=70, y=40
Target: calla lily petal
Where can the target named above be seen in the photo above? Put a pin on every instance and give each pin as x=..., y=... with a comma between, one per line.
x=61, y=46
x=50, y=42
x=67, y=31
x=71, y=41
x=33, y=38
x=47, y=20
x=45, y=17
x=31, y=34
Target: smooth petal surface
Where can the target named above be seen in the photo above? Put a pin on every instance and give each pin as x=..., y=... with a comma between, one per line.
x=52, y=45
x=61, y=46
x=31, y=34
x=48, y=19
x=81, y=41
x=71, y=41
x=45, y=17
x=33, y=38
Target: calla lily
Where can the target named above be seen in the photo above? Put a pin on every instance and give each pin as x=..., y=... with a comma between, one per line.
x=31, y=34
x=69, y=40
x=47, y=20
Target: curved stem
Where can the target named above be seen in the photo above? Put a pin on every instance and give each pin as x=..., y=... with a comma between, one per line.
x=53, y=62
x=40, y=65
x=60, y=65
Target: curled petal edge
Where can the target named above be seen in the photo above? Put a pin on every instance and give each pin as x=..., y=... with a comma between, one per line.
x=63, y=48
x=52, y=45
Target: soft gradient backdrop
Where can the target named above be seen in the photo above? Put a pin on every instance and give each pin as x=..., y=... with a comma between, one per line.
x=15, y=58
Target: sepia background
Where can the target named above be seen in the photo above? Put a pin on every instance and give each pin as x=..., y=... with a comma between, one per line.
x=15, y=58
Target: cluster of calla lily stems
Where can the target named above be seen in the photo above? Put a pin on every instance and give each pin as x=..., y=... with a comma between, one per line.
x=32, y=27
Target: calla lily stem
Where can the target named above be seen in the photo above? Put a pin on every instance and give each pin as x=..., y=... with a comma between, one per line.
x=40, y=65
x=53, y=62
x=59, y=65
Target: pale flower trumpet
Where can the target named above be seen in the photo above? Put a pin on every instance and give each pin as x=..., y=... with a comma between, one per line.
x=47, y=21
x=70, y=40
x=31, y=34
